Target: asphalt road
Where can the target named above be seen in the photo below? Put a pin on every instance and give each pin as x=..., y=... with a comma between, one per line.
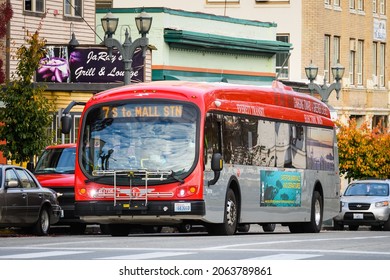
x=254, y=245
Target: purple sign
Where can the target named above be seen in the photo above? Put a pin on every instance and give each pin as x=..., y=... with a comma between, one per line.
x=86, y=64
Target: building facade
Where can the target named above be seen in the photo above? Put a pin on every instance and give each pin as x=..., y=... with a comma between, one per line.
x=324, y=32
x=205, y=47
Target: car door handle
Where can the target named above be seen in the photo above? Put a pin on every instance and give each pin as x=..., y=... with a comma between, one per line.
x=24, y=195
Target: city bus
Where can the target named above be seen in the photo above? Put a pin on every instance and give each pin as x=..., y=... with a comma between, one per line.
x=220, y=155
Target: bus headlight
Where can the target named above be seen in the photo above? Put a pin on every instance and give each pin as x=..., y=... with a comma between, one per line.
x=186, y=191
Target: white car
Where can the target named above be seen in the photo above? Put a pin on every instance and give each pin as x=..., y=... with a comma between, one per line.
x=365, y=202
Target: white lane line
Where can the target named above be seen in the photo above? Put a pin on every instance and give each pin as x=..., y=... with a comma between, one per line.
x=285, y=257
x=42, y=254
x=145, y=256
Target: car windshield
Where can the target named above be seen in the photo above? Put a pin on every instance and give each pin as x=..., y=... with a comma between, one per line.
x=56, y=160
x=134, y=136
x=367, y=189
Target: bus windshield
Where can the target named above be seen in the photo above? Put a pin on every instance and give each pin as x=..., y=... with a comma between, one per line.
x=137, y=136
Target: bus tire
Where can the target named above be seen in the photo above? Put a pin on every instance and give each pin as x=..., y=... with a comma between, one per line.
x=119, y=229
x=229, y=226
x=243, y=227
x=268, y=227
x=316, y=216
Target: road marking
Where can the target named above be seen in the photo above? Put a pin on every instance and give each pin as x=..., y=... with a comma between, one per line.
x=285, y=257
x=145, y=256
x=42, y=254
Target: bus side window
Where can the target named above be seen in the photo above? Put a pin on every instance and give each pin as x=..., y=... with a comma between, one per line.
x=212, y=139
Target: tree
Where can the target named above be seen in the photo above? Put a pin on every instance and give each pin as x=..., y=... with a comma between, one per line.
x=363, y=152
x=5, y=16
x=27, y=112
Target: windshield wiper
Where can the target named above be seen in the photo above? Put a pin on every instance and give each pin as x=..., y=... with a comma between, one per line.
x=174, y=175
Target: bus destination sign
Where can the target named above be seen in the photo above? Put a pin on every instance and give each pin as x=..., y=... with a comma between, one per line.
x=143, y=111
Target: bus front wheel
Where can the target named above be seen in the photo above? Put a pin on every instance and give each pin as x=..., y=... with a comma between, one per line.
x=229, y=226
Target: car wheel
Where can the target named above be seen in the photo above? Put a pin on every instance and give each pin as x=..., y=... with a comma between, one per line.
x=353, y=227
x=386, y=225
x=268, y=227
x=42, y=226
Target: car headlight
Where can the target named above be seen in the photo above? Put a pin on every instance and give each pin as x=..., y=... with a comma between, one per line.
x=382, y=204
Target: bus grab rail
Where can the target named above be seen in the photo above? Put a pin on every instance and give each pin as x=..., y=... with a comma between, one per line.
x=157, y=175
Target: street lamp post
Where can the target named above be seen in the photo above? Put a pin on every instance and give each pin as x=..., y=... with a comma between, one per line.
x=127, y=49
x=324, y=90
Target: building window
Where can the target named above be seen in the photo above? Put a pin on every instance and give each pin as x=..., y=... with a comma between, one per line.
x=359, y=64
x=34, y=5
x=73, y=8
x=326, y=57
x=336, y=50
x=327, y=2
x=382, y=7
x=360, y=5
x=375, y=64
x=380, y=121
x=352, y=50
x=336, y=3
x=374, y=6
x=382, y=65
x=282, y=66
x=352, y=4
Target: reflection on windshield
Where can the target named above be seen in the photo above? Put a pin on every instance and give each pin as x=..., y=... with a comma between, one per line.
x=367, y=189
x=152, y=142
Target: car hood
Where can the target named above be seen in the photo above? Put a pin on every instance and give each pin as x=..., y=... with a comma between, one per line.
x=364, y=199
x=56, y=180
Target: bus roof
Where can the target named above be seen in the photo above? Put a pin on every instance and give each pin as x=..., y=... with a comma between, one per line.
x=275, y=102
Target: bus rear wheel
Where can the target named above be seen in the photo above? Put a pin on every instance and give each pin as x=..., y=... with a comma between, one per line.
x=229, y=226
x=315, y=224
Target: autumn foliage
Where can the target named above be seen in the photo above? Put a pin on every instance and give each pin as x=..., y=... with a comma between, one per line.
x=363, y=152
x=5, y=16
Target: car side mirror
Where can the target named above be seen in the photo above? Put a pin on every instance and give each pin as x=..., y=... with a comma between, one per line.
x=11, y=184
x=216, y=166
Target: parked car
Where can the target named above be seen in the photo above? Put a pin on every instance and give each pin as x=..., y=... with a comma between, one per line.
x=365, y=202
x=24, y=203
x=55, y=170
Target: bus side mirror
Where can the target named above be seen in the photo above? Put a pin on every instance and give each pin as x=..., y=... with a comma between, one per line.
x=66, y=124
x=216, y=166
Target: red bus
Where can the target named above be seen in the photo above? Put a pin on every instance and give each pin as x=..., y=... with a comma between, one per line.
x=216, y=154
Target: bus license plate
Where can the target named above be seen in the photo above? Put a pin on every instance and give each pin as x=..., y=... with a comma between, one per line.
x=358, y=216
x=182, y=207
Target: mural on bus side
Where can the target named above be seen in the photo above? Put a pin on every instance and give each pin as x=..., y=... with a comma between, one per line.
x=280, y=188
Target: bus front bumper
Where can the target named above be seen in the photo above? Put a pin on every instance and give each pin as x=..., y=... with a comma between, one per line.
x=136, y=211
